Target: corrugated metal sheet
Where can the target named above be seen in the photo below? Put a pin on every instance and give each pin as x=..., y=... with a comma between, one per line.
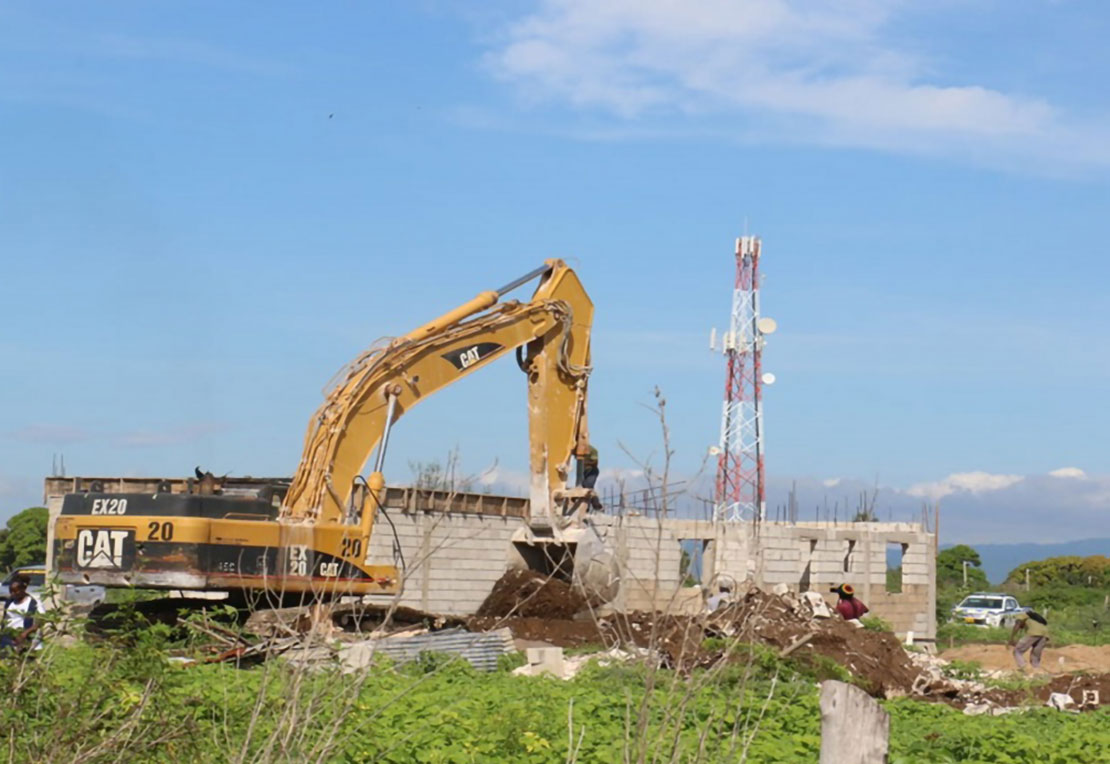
x=482, y=649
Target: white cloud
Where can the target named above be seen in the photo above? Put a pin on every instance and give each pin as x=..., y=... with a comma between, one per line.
x=511, y=482
x=964, y=482
x=1068, y=472
x=793, y=70
x=976, y=507
x=620, y=474
x=831, y=482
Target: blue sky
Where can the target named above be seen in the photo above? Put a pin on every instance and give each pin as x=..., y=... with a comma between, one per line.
x=206, y=209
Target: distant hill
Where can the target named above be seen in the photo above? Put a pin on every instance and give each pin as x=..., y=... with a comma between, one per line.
x=1000, y=559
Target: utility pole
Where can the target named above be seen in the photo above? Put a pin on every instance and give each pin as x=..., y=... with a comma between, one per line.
x=965, y=572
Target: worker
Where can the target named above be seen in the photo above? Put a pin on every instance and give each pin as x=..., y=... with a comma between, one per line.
x=589, y=468
x=19, y=616
x=850, y=607
x=722, y=598
x=1036, y=637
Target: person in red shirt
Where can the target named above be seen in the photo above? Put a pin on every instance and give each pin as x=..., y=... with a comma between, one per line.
x=849, y=607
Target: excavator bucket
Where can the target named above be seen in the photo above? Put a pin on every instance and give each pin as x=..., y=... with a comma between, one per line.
x=577, y=555
x=595, y=566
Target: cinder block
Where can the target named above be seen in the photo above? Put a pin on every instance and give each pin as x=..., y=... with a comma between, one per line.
x=776, y=555
x=781, y=566
x=470, y=565
x=774, y=577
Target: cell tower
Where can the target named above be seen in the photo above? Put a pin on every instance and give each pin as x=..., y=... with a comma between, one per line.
x=740, y=483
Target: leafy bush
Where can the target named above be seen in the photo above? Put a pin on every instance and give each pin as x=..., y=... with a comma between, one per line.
x=874, y=623
x=955, y=634
x=931, y=733
x=971, y=670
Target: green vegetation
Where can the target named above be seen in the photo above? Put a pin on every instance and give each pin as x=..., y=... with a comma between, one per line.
x=23, y=541
x=109, y=702
x=1092, y=572
x=928, y=733
x=1073, y=592
x=894, y=579
x=970, y=670
x=956, y=634
x=950, y=569
x=874, y=623
x=950, y=580
x=121, y=698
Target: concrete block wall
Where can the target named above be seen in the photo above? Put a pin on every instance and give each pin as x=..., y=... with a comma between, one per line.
x=729, y=555
x=804, y=556
x=819, y=556
x=451, y=561
x=908, y=610
x=649, y=555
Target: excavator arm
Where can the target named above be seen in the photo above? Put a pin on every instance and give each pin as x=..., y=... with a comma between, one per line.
x=551, y=334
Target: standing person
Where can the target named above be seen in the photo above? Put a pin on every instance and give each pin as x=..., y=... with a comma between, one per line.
x=19, y=616
x=590, y=470
x=1036, y=637
x=849, y=607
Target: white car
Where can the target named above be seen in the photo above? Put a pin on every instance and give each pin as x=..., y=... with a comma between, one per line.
x=987, y=609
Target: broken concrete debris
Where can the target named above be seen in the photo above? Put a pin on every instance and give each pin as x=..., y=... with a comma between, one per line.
x=798, y=627
x=551, y=661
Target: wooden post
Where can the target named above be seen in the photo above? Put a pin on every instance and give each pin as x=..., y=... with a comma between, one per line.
x=854, y=727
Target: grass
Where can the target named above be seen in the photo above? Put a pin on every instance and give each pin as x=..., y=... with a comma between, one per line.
x=107, y=702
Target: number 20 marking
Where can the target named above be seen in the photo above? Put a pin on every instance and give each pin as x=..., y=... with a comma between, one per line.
x=351, y=547
x=159, y=531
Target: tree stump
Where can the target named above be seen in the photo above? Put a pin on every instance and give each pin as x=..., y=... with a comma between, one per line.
x=854, y=727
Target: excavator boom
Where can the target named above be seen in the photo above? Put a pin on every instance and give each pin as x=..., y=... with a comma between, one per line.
x=385, y=382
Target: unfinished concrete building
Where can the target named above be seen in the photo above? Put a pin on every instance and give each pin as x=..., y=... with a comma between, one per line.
x=454, y=547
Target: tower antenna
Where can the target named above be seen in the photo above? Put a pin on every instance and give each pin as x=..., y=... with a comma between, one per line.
x=740, y=489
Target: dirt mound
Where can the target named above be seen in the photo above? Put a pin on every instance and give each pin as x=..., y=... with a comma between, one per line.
x=1055, y=660
x=875, y=658
x=1075, y=686
x=527, y=594
x=562, y=633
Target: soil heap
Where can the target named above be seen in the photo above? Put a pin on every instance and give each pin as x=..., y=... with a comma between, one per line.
x=536, y=608
x=528, y=594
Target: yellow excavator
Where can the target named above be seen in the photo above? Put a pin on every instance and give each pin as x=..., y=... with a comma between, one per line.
x=312, y=535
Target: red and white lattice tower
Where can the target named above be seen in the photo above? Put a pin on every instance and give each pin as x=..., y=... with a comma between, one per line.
x=740, y=484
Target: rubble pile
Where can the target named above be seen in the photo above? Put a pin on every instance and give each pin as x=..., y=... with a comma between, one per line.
x=794, y=625
x=797, y=626
x=526, y=610
x=875, y=658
